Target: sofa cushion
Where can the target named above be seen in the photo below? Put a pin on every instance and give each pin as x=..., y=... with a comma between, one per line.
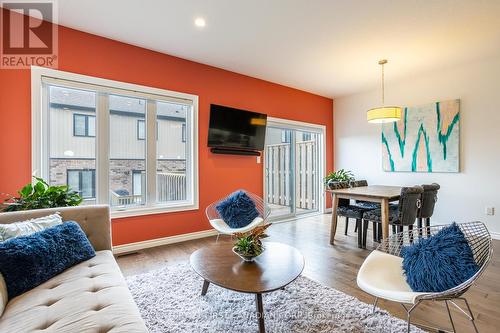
x=28, y=227
x=4, y=297
x=89, y=297
x=28, y=261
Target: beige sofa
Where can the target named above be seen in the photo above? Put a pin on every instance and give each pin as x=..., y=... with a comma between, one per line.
x=89, y=297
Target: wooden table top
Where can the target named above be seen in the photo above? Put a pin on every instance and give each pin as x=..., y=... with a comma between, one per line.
x=276, y=267
x=372, y=191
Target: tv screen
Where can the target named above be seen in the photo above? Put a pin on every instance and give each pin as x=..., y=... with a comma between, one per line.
x=234, y=128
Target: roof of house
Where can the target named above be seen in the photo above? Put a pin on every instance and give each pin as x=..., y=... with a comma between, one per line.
x=84, y=99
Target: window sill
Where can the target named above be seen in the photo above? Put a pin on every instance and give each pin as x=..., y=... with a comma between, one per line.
x=159, y=209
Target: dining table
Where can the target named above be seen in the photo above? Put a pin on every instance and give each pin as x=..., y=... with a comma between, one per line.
x=382, y=194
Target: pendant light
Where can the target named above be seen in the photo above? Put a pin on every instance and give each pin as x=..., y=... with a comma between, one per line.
x=383, y=114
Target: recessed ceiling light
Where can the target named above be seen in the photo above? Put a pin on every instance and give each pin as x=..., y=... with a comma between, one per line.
x=199, y=22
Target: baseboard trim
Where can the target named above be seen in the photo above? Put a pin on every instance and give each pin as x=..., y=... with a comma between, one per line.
x=133, y=247
x=328, y=210
x=495, y=235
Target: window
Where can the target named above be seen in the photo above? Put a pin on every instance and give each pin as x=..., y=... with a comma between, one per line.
x=82, y=181
x=183, y=134
x=138, y=179
x=141, y=130
x=83, y=125
x=286, y=136
x=133, y=159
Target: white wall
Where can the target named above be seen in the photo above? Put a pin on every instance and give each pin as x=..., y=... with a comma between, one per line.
x=463, y=196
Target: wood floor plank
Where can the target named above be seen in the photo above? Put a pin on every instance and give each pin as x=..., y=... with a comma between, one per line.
x=336, y=266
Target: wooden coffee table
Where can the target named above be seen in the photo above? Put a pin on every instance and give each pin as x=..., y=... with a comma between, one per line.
x=279, y=265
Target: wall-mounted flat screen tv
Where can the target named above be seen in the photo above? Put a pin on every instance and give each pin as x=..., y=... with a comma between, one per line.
x=236, y=129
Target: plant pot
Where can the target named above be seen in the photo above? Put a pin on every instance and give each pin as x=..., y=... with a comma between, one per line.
x=246, y=257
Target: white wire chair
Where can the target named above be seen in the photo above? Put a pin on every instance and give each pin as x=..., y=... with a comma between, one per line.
x=222, y=228
x=381, y=274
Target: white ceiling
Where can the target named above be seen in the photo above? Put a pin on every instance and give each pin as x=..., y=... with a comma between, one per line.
x=329, y=47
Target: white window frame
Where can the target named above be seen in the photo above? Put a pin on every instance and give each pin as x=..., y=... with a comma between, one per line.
x=39, y=125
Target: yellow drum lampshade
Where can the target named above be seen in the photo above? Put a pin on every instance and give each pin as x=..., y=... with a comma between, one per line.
x=384, y=114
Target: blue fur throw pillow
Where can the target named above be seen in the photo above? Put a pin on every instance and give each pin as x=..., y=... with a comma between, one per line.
x=237, y=210
x=440, y=262
x=28, y=261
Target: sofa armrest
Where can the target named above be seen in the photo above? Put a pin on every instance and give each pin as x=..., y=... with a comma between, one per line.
x=94, y=220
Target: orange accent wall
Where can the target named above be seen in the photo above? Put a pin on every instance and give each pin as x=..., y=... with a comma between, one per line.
x=93, y=55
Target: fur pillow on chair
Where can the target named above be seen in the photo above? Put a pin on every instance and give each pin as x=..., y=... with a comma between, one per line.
x=440, y=262
x=237, y=210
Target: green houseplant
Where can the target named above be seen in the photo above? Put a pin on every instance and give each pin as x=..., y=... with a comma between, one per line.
x=41, y=195
x=339, y=176
x=248, y=244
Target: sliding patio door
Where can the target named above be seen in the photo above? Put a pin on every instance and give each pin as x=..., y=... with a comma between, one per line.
x=293, y=162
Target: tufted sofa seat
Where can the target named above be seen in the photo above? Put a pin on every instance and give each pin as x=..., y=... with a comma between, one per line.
x=89, y=297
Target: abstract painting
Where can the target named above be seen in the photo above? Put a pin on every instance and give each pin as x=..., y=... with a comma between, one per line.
x=425, y=139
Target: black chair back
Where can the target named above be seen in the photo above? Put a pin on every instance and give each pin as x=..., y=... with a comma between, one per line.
x=358, y=183
x=409, y=204
x=336, y=185
x=429, y=198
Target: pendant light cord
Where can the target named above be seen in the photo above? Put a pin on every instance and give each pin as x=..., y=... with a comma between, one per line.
x=383, y=88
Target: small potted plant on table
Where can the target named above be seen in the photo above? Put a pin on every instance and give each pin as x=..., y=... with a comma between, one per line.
x=249, y=245
x=340, y=175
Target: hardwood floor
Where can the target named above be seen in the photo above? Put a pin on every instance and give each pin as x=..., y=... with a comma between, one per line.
x=336, y=266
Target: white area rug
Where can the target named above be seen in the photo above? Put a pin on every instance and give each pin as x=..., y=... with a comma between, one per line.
x=169, y=300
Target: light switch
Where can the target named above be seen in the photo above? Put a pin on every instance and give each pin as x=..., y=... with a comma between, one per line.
x=258, y=159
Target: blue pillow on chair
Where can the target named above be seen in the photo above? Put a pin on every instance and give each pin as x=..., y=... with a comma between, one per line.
x=28, y=261
x=237, y=210
x=440, y=262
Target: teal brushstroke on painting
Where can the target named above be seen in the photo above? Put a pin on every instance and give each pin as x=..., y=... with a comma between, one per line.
x=443, y=138
x=421, y=132
x=401, y=142
x=384, y=141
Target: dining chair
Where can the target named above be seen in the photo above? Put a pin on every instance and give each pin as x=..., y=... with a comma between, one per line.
x=223, y=228
x=345, y=209
x=367, y=205
x=401, y=215
x=360, y=203
x=429, y=199
x=382, y=275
